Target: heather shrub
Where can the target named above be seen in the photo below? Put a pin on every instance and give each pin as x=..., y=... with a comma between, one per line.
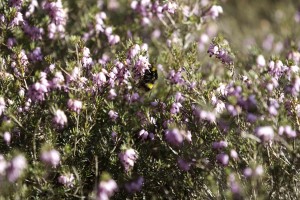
x=149, y=99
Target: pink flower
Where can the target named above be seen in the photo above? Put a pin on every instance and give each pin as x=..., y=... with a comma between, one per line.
x=174, y=136
x=223, y=159
x=113, y=115
x=265, y=133
x=75, y=105
x=2, y=105
x=51, y=157
x=215, y=11
x=67, y=179
x=15, y=168
x=128, y=158
x=106, y=189
x=60, y=118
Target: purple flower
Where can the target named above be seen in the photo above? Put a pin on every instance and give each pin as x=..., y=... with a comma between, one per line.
x=183, y=164
x=36, y=55
x=106, y=189
x=58, y=80
x=3, y=165
x=15, y=168
x=51, y=157
x=259, y=170
x=174, y=136
x=175, y=77
x=260, y=61
x=75, y=105
x=220, y=145
x=288, y=131
x=60, y=118
x=134, y=186
x=265, y=133
x=112, y=94
x=113, y=39
x=247, y=172
x=67, y=179
x=18, y=20
x=99, y=79
x=175, y=108
x=7, y=137
x=2, y=105
x=223, y=159
x=128, y=158
x=143, y=134
x=234, y=154
x=214, y=11
x=113, y=115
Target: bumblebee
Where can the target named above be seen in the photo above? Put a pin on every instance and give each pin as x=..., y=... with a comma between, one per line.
x=149, y=78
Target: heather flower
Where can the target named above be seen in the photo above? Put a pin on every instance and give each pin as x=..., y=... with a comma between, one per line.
x=99, y=79
x=113, y=39
x=234, y=154
x=23, y=58
x=113, y=115
x=3, y=165
x=60, y=118
x=128, y=158
x=75, y=105
x=220, y=145
x=174, y=136
x=183, y=164
x=11, y=42
x=265, y=133
x=58, y=18
x=67, y=180
x=58, y=80
x=112, y=94
x=223, y=159
x=15, y=168
x=204, y=115
x=234, y=186
x=16, y=3
x=175, y=77
x=202, y=42
x=214, y=11
x=277, y=68
x=51, y=157
x=221, y=53
x=106, y=189
x=294, y=56
x=86, y=59
x=18, y=20
x=170, y=7
x=143, y=134
x=134, y=186
x=7, y=137
x=36, y=55
x=33, y=32
x=2, y=105
x=179, y=97
x=142, y=64
x=259, y=170
x=31, y=8
x=247, y=172
x=38, y=90
x=175, y=108
x=288, y=131
x=260, y=61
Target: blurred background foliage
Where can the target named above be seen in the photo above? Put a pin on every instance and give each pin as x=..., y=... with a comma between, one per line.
x=247, y=24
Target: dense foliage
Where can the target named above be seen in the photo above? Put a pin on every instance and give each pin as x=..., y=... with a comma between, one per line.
x=79, y=118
